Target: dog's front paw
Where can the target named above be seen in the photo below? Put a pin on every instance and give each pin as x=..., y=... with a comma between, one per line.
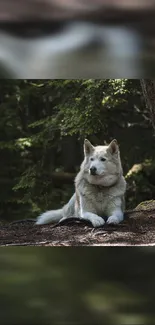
x=97, y=222
x=113, y=220
x=94, y=219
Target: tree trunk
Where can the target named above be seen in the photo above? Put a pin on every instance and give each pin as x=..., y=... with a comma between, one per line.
x=148, y=89
x=63, y=177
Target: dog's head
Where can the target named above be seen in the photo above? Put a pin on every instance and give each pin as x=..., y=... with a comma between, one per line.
x=102, y=163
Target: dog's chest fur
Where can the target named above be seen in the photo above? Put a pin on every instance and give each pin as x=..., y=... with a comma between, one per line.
x=98, y=196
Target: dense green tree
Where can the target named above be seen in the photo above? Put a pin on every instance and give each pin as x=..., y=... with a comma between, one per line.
x=42, y=127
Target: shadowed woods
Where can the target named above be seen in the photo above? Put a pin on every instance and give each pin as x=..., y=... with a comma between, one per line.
x=42, y=127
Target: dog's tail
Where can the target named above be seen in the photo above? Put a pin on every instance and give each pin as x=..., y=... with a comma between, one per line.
x=54, y=216
x=51, y=216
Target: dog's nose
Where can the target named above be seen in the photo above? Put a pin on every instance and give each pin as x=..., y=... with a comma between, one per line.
x=93, y=170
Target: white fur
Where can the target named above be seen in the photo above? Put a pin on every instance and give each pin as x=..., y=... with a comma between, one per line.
x=93, y=218
x=96, y=195
x=46, y=217
x=116, y=217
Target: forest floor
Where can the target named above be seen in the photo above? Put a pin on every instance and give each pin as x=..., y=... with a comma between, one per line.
x=137, y=230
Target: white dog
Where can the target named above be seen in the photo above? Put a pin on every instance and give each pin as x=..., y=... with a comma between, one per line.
x=99, y=188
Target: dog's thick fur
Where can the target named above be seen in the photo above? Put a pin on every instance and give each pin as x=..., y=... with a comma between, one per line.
x=99, y=188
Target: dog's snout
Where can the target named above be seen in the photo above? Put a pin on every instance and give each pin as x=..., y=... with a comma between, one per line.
x=93, y=170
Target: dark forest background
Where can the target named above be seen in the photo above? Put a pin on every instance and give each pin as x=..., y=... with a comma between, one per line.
x=42, y=127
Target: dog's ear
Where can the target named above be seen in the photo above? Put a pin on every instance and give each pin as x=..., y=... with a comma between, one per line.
x=88, y=147
x=113, y=147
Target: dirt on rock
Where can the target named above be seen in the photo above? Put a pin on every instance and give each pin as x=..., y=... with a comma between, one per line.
x=138, y=230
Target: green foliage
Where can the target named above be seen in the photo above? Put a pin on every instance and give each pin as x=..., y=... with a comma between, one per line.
x=141, y=183
x=35, y=117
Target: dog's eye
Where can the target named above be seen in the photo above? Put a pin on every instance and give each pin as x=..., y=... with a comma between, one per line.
x=91, y=159
x=102, y=159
